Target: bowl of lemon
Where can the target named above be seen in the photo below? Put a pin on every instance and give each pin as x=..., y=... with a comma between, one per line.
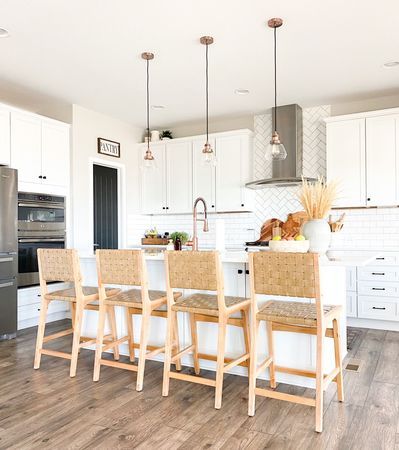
x=293, y=245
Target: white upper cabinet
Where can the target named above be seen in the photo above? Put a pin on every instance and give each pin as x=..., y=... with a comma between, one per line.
x=346, y=160
x=179, y=177
x=382, y=160
x=204, y=175
x=363, y=154
x=232, y=172
x=153, y=181
x=39, y=149
x=26, y=147
x=5, y=150
x=55, y=154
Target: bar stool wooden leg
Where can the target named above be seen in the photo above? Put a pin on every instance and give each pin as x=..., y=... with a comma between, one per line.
x=168, y=352
x=194, y=341
x=40, y=333
x=114, y=332
x=253, y=366
x=129, y=324
x=176, y=347
x=247, y=334
x=220, y=362
x=73, y=312
x=99, y=342
x=272, y=372
x=76, y=338
x=338, y=359
x=319, y=382
x=145, y=329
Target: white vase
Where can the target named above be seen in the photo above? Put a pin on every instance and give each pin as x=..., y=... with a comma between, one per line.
x=155, y=136
x=319, y=234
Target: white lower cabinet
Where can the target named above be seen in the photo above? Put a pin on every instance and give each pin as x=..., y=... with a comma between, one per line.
x=351, y=304
x=29, y=305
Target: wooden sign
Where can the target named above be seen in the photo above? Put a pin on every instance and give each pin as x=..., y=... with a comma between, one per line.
x=109, y=148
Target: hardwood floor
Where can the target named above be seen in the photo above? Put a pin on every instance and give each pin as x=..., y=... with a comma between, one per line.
x=47, y=409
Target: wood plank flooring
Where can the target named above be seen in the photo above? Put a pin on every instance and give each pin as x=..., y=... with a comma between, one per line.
x=47, y=409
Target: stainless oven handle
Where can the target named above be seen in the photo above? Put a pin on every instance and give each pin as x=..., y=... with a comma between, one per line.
x=9, y=283
x=42, y=240
x=8, y=259
x=43, y=205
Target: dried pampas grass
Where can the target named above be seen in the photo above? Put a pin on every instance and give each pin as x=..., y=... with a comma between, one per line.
x=318, y=197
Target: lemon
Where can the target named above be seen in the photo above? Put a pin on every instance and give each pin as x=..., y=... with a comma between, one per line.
x=276, y=238
x=300, y=237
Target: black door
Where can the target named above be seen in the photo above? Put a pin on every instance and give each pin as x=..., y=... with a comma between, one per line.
x=105, y=202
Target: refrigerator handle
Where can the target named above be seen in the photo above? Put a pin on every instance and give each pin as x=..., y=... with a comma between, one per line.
x=7, y=259
x=7, y=284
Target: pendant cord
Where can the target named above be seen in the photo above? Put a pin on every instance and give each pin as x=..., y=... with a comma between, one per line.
x=207, y=94
x=275, y=79
x=148, y=104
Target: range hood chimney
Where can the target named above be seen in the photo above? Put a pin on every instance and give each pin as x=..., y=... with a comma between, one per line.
x=289, y=171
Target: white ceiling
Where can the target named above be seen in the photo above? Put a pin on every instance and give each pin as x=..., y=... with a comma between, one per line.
x=88, y=52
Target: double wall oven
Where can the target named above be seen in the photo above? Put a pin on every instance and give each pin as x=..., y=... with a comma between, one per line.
x=41, y=224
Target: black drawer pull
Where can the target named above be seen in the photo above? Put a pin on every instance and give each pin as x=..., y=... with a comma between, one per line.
x=376, y=307
x=378, y=289
x=247, y=272
x=378, y=273
x=239, y=271
x=380, y=258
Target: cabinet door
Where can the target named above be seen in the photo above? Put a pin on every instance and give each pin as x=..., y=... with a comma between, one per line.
x=346, y=160
x=235, y=279
x=204, y=175
x=179, y=177
x=26, y=146
x=229, y=174
x=381, y=160
x=5, y=155
x=153, y=182
x=55, y=154
x=351, y=304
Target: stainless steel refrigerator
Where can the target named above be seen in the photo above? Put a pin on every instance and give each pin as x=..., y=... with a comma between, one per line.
x=8, y=252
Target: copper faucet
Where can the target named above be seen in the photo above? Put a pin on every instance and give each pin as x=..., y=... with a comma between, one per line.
x=194, y=241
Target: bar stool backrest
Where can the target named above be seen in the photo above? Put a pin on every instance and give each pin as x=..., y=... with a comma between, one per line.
x=123, y=267
x=58, y=265
x=285, y=274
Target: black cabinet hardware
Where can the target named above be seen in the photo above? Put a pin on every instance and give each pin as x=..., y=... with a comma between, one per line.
x=163, y=207
x=167, y=207
x=378, y=273
x=247, y=272
x=240, y=271
x=213, y=206
x=378, y=289
x=368, y=199
x=380, y=258
x=376, y=307
x=40, y=177
x=242, y=204
x=44, y=178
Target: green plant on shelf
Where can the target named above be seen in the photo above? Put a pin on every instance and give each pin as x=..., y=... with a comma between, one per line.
x=180, y=234
x=166, y=134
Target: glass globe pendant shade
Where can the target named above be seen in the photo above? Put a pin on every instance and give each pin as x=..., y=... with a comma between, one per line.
x=275, y=150
x=208, y=155
x=149, y=160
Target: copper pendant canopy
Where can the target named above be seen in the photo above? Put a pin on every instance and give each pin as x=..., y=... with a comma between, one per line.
x=206, y=40
x=147, y=56
x=276, y=22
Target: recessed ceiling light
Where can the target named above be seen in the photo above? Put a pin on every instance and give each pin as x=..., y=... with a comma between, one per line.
x=241, y=91
x=4, y=33
x=158, y=107
x=390, y=64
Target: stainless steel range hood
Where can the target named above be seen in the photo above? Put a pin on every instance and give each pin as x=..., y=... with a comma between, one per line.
x=289, y=171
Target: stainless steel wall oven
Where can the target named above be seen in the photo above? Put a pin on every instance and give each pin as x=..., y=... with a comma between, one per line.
x=41, y=224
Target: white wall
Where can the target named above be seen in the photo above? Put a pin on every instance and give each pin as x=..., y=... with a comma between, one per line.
x=87, y=126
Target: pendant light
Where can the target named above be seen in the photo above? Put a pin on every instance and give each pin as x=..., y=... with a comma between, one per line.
x=149, y=160
x=275, y=150
x=208, y=155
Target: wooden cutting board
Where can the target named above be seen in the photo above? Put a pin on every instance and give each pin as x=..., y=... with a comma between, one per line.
x=293, y=224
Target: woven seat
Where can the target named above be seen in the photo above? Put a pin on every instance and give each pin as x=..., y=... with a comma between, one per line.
x=206, y=304
x=132, y=298
x=69, y=295
x=295, y=313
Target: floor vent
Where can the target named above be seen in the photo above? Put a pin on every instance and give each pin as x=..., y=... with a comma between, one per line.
x=352, y=367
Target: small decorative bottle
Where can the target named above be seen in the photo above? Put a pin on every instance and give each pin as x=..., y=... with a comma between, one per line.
x=177, y=243
x=170, y=245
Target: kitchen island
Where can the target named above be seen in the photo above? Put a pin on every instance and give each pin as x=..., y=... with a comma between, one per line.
x=292, y=349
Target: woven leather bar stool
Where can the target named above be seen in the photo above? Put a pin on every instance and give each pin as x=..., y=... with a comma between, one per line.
x=128, y=268
x=202, y=271
x=293, y=275
x=63, y=265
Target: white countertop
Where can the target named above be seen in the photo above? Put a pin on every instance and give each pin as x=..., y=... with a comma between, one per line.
x=339, y=259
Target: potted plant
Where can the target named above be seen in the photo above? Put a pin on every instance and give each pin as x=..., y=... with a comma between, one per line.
x=317, y=199
x=166, y=134
x=182, y=235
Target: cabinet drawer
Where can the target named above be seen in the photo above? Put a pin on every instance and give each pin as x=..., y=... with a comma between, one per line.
x=33, y=310
x=378, y=288
x=386, y=259
x=379, y=273
x=351, y=304
x=377, y=308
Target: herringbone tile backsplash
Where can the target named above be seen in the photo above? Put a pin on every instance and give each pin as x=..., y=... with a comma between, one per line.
x=278, y=202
